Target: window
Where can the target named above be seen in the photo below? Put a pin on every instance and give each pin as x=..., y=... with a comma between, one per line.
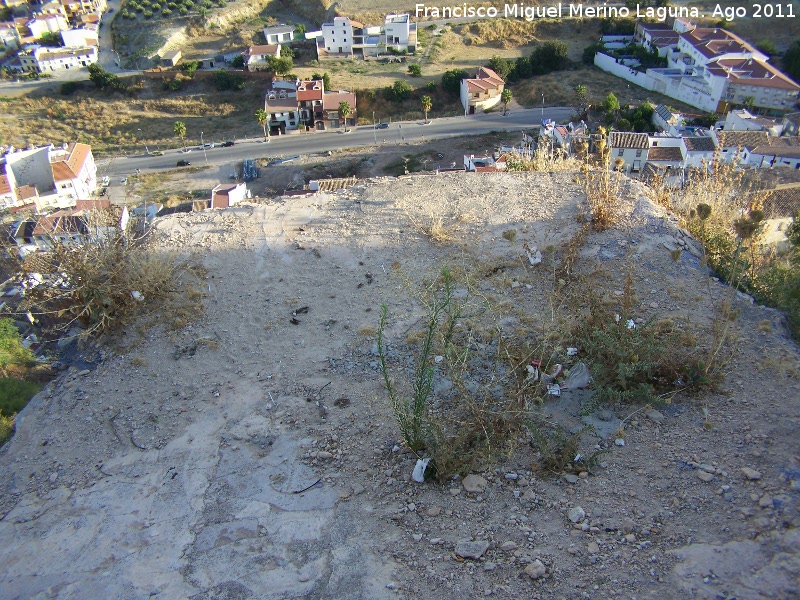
x=621, y=152
x=638, y=154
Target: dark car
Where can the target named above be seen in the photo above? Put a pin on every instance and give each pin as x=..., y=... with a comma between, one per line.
x=183, y=163
x=382, y=126
x=227, y=144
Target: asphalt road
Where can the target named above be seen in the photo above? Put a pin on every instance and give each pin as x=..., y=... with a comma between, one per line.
x=322, y=141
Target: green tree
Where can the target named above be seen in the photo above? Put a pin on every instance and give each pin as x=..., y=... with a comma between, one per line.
x=791, y=61
x=581, y=98
x=102, y=78
x=451, y=80
x=611, y=104
x=400, y=90
x=415, y=70
x=263, y=118
x=768, y=47
x=505, y=98
x=12, y=352
x=299, y=29
x=344, y=112
x=280, y=66
x=550, y=56
x=179, y=129
x=749, y=103
x=190, y=67
x=427, y=104
x=238, y=62
x=324, y=78
x=224, y=80
x=501, y=66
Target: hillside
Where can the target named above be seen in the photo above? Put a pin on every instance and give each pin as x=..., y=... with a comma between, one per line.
x=253, y=453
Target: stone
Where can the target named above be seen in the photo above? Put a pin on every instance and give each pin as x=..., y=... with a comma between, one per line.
x=417, y=537
x=509, y=546
x=570, y=478
x=535, y=570
x=593, y=548
x=704, y=476
x=433, y=511
x=766, y=501
x=655, y=416
x=474, y=484
x=576, y=514
x=472, y=550
x=489, y=566
x=619, y=442
x=751, y=474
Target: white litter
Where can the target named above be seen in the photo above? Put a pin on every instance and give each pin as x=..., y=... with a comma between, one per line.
x=619, y=442
x=137, y=295
x=572, y=351
x=630, y=324
x=419, y=470
x=554, y=390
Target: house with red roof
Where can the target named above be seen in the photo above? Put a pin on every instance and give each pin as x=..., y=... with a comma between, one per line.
x=481, y=92
x=50, y=177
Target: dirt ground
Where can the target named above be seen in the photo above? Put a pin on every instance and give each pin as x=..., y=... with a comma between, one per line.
x=254, y=453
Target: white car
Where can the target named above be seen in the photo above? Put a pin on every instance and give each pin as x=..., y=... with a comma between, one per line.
x=124, y=181
x=209, y=145
x=105, y=181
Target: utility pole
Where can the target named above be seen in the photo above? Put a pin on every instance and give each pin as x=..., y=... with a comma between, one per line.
x=374, y=133
x=204, y=148
x=542, y=106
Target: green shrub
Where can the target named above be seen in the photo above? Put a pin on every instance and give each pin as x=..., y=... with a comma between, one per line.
x=15, y=395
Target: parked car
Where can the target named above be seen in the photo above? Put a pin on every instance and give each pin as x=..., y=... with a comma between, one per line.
x=227, y=144
x=382, y=126
x=209, y=145
x=124, y=181
x=157, y=153
x=105, y=181
x=183, y=163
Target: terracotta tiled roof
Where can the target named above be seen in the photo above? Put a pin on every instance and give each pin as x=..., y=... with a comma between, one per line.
x=783, y=202
x=331, y=100
x=68, y=168
x=624, y=139
x=91, y=204
x=308, y=92
x=489, y=75
x=5, y=186
x=712, y=42
x=779, y=151
x=742, y=139
x=746, y=71
x=699, y=144
x=266, y=49
x=665, y=153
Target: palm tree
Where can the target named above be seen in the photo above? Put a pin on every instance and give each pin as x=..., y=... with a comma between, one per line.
x=262, y=117
x=505, y=97
x=426, y=106
x=180, y=130
x=344, y=112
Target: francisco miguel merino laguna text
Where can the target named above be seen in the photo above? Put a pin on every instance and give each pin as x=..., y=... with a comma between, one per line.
x=520, y=10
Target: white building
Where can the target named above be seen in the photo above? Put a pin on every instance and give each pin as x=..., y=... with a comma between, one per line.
x=82, y=37
x=632, y=148
x=257, y=57
x=337, y=36
x=58, y=59
x=279, y=34
x=49, y=177
x=742, y=120
x=712, y=69
x=481, y=92
x=342, y=37
x=43, y=24
x=666, y=120
x=225, y=195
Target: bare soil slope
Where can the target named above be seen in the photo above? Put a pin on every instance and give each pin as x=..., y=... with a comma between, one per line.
x=250, y=456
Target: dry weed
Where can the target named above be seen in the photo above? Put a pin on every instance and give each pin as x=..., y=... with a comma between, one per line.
x=434, y=228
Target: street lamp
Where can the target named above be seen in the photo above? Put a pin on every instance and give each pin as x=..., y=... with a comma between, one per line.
x=146, y=151
x=204, y=148
x=374, y=133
